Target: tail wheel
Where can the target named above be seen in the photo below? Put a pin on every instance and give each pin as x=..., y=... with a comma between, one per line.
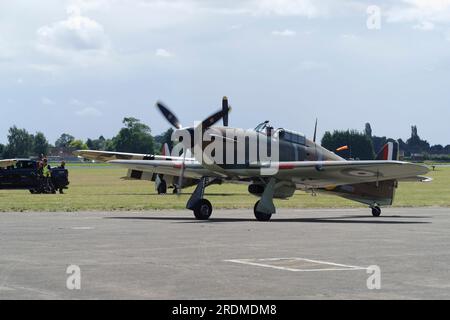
x=261, y=216
x=376, y=211
x=203, y=210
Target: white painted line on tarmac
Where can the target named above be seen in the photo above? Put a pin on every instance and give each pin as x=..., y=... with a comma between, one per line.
x=260, y=263
x=82, y=228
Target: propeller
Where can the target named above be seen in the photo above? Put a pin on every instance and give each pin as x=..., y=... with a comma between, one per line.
x=208, y=122
x=225, y=110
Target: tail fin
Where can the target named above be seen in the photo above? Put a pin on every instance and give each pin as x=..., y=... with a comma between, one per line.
x=165, y=151
x=390, y=151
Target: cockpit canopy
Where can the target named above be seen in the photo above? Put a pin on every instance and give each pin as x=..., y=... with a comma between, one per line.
x=292, y=136
x=261, y=128
x=283, y=134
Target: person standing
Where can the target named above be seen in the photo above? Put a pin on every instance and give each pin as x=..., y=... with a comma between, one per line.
x=62, y=166
x=47, y=175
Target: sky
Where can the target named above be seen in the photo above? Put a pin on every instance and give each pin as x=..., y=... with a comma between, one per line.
x=81, y=66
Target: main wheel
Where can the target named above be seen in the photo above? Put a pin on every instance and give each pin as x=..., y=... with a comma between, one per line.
x=203, y=210
x=261, y=216
x=162, y=188
x=376, y=211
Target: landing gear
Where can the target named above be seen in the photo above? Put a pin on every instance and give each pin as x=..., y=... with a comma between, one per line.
x=261, y=216
x=162, y=187
x=175, y=190
x=264, y=208
x=203, y=210
x=376, y=211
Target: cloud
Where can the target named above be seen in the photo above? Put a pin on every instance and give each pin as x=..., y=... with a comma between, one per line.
x=6, y=53
x=306, y=8
x=86, y=5
x=424, y=13
x=88, y=112
x=47, y=102
x=284, y=33
x=425, y=26
x=163, y=53
x=76, y=102
x=76, y=33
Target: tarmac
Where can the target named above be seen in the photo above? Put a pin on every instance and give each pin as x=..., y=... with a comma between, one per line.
x=300, y=254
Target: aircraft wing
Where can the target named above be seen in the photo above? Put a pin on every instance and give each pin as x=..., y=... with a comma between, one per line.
x=313, y=174
x=7, y=162
x=326, y=173
x=105, y=156
x=192, y=169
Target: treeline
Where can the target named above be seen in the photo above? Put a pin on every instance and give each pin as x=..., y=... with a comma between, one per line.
x=364, y=145
x=22, y=144
x=135, y=136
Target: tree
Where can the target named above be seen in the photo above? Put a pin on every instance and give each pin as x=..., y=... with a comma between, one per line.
x=96, y=144
x=402, y=145
x=64, y=141
x=437, y=149
x=368, y=130
x=2, y=150
x=134, y=137
x=415, y=144
x=447, y=149
x=360, y=145
x=20, y=143
x=165, y=137
x=40, y=144
x=78, y=145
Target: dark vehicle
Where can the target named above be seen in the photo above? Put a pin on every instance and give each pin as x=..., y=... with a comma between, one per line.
x=26, y=175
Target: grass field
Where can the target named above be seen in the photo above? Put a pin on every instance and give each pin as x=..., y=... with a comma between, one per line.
x=100, y=187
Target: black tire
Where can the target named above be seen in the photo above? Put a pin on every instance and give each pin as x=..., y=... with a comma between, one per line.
x=261, y=216
x=33, y=191
x=376, y=211
x=203, y=210
x=162, y=188
x=175, y=190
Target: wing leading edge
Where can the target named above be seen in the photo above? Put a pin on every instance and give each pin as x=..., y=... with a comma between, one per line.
x=105, y=156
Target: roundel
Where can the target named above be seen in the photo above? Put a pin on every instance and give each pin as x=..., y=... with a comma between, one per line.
x=359, y=173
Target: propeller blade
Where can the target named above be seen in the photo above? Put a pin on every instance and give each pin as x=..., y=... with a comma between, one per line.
x=315, y=132
x=169, y=115
x=225, y=111
x=214, y=118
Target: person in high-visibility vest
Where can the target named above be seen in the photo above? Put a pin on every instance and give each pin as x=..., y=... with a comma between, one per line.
x=46, y=169
x=47, y=174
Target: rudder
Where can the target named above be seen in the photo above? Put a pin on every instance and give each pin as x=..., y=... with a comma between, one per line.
x=390, y=151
